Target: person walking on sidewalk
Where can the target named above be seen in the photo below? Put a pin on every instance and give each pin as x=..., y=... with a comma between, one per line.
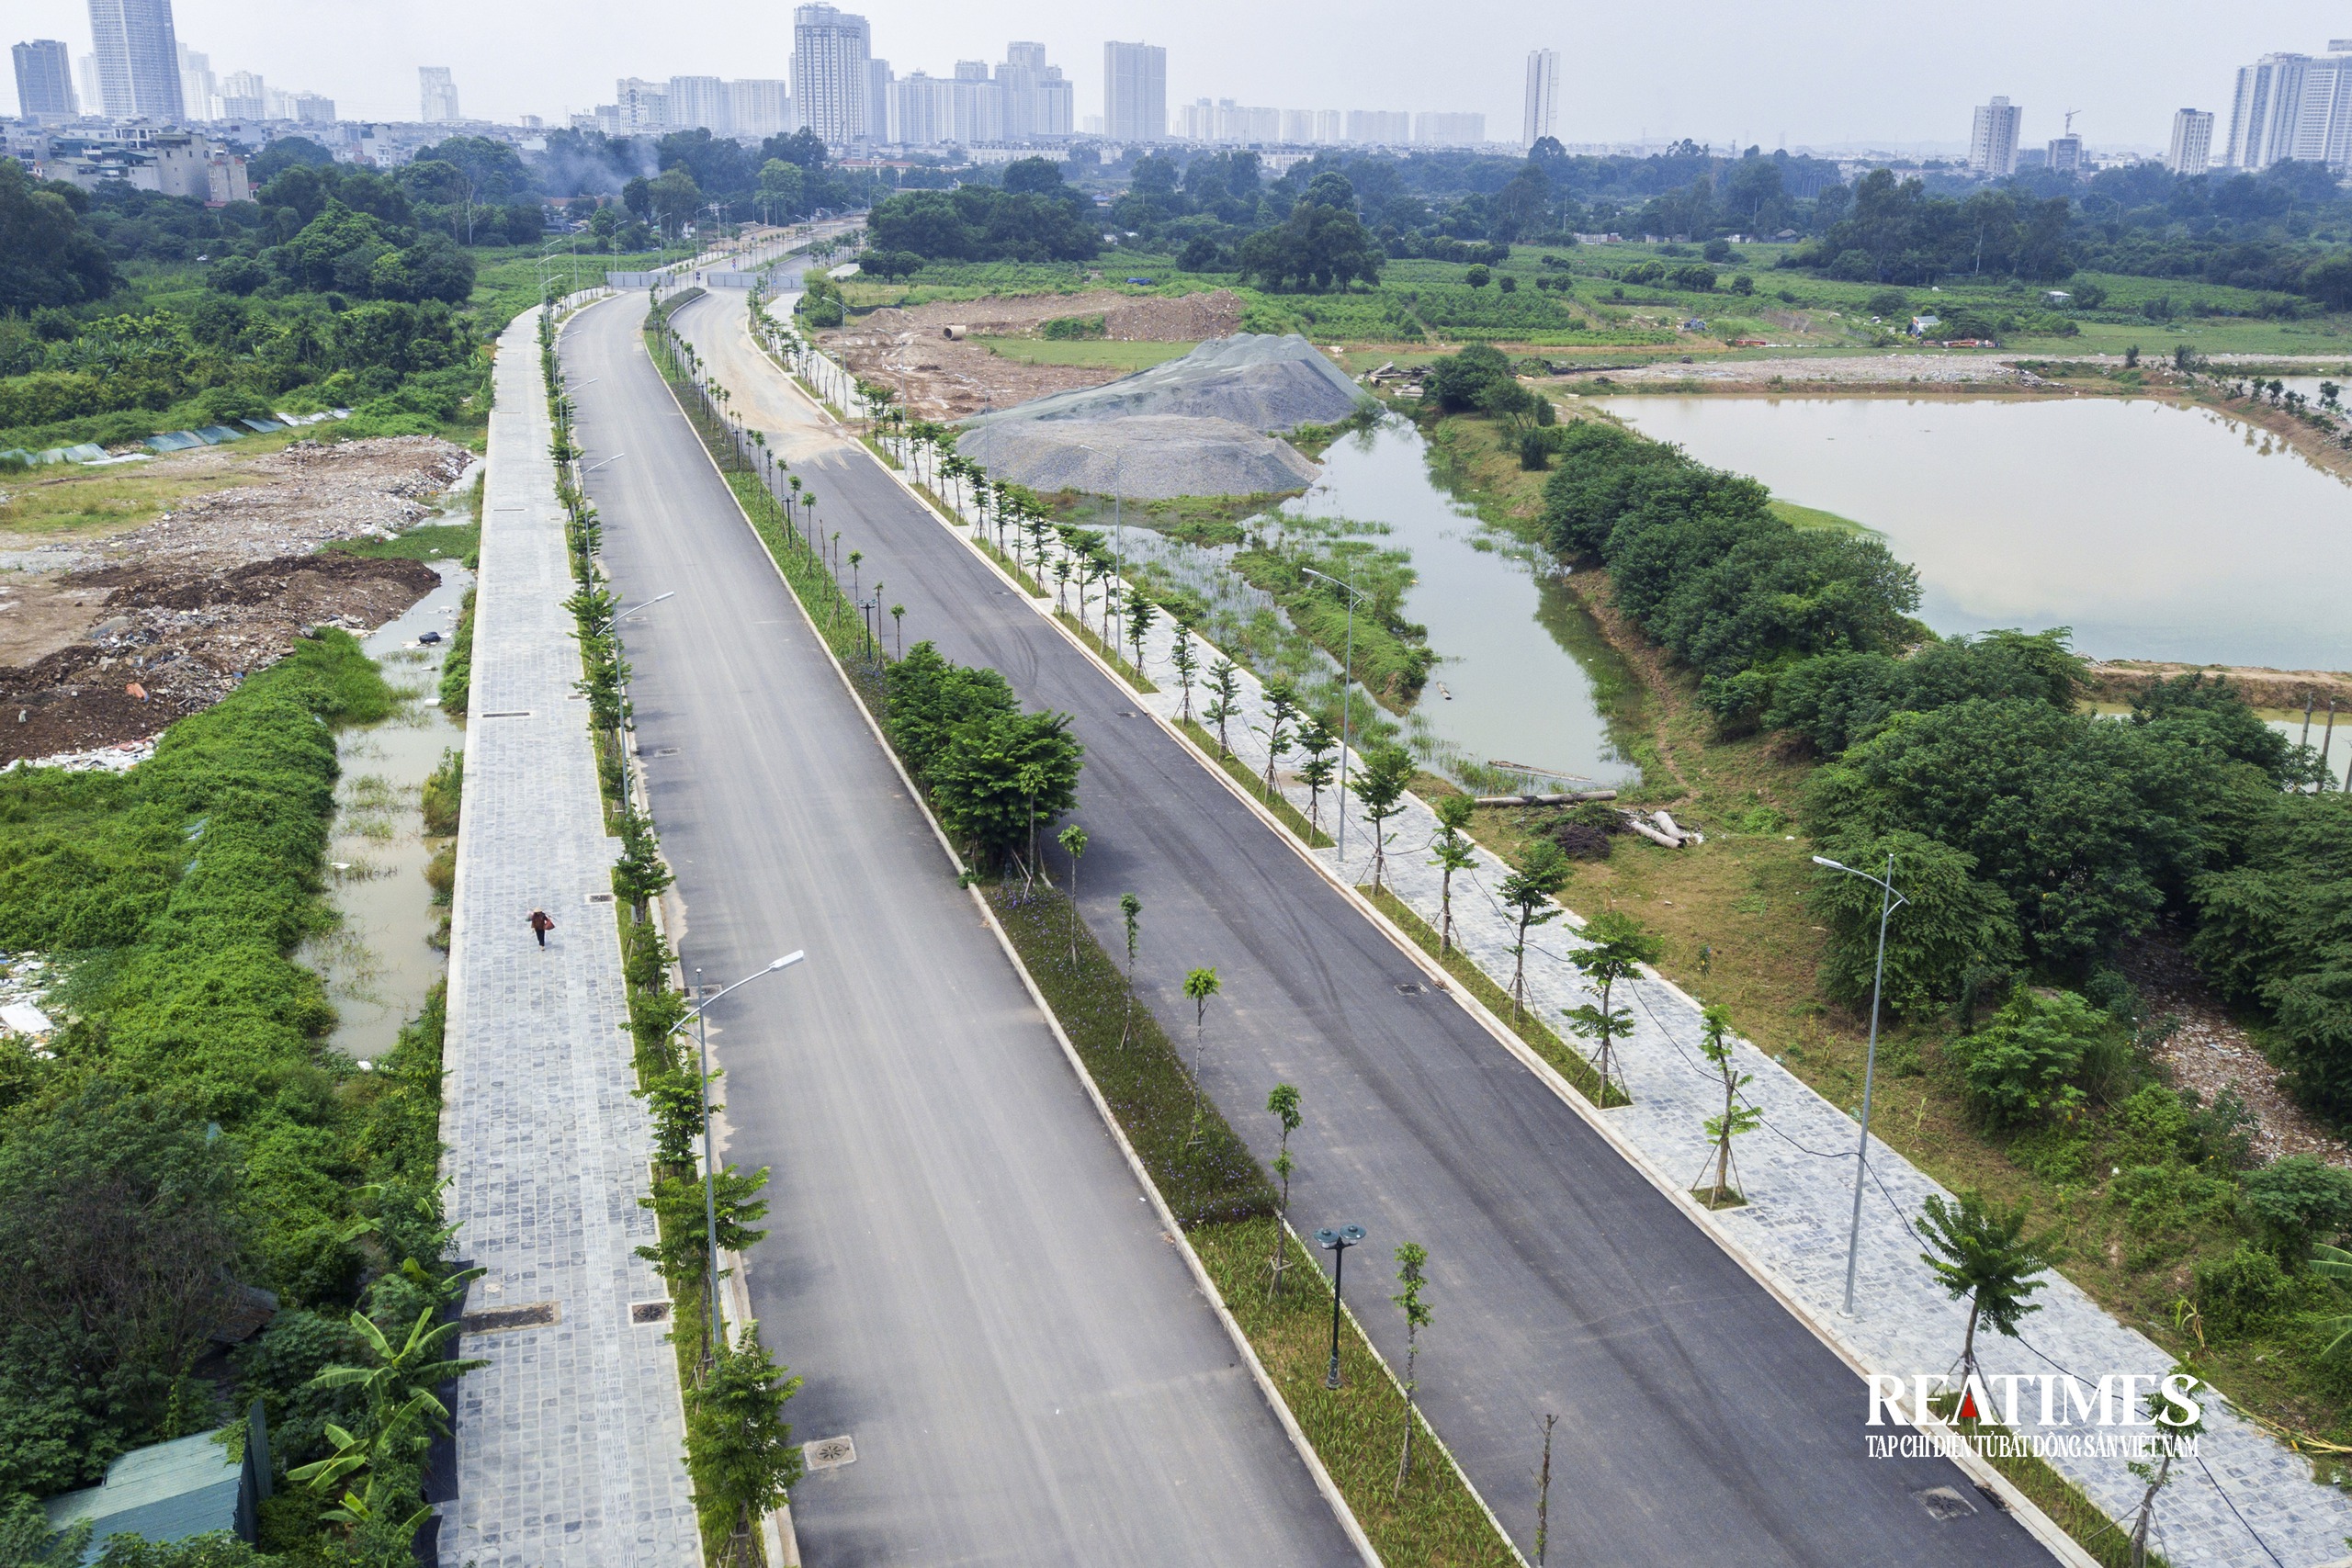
x=541, y=923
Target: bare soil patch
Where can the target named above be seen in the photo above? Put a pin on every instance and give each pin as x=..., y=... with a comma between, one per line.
x=940, y=379
x=110, y=640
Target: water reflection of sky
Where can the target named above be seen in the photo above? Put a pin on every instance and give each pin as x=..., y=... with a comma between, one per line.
x=2156, y=532
x=1506, y=688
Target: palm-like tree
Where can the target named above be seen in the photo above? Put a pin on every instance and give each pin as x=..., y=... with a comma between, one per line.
x=1199, y=985
x=1454, y=852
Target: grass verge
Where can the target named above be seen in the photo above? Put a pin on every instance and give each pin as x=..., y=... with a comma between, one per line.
x=1570, y=1065
x=1288, y=814
x=1359, y=1427
x=2106, y=1541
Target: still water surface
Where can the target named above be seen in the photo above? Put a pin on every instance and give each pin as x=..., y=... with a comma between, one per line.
x=2156, y=532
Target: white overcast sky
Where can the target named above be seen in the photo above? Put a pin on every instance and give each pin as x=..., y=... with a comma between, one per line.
x=1770, y=72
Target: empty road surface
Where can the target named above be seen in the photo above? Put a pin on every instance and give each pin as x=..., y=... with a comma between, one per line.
x=958, y=1260
x=1700, y=1421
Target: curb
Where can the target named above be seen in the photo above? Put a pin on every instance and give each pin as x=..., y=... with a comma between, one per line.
x=1346, y=1517
x=2044, y=1529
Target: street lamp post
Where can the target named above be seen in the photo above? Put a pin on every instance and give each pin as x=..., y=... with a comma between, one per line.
x=1336, y=1240
x=702, y=1091
x=1347, y=703
x=1889, y=901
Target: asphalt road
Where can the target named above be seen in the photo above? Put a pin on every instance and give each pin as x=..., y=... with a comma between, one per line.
x=1700, y=1421
x=958, y=1260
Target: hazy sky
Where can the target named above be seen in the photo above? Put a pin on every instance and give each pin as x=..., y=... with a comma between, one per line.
x=1761, y=71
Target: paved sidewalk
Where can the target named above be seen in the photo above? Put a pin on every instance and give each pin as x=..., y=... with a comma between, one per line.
x=571, y=1442
x=2247, y=1500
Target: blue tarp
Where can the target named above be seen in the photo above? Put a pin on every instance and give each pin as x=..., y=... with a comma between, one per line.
x=174, y=441
x=263, y=425
x=216, y=434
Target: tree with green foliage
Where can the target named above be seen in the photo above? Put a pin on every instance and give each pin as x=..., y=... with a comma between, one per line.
x=740, y=1451
x=1199, y=985
x=2177, y=1419
x=1379, y=785
x=1980, y=1253
x=1715, y=1045
x=1527, y=893
x=1612, y=949
x=1225, y=701
x=673, y=1101
x=1284, y=1103
x=1319, y=247
x=2293, y=1203
x=1951, y=925
x=1073, y=843
x=1412, y=1259
x=1315, y=739
x=1455, y=851
x=1282, y=706
x=1141, y=613
x=1185, y=659
x=48, y=259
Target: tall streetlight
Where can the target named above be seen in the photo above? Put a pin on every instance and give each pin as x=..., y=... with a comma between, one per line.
x=1347, y=689
x=702, y=1091
x=1889, y=901
x=1336, y=1240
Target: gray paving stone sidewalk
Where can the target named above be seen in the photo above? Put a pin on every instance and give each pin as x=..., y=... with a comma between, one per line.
x=571, y=1442
x=2246, y=1500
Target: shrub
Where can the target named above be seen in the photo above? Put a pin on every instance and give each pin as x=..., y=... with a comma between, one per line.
x=2238, y=1292
x=2295, y=1202
x=1950, y=924
x=2022, y=1067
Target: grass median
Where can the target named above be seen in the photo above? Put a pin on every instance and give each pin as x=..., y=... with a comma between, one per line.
x=1290, y=816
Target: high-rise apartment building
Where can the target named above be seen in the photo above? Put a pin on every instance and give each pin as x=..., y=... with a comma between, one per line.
x=700, y=103
x=139, y=59
x=1057, y=106
x=1330, y=126
x=2294, y=106
x=437, y=93
x=244, y=95
x=2065, y=154
x=44, y=80
x=643, y=106
x=1135, y=92
x=832, y=75
x=1992, y=139
x=1380, y=128
x=2192, y=142
x=1543, y=114
x=197, y=88
x=1449, y=129
x=877, y=99
x=760, y=106
x=308, y=108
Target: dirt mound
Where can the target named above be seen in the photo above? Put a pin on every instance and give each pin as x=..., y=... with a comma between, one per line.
x=941, y=378
x=1142, y=458
x=170, y=644
x=1256, y=379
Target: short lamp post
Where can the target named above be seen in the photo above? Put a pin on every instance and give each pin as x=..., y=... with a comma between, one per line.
x=1889, y=901
x=1336, y=1240
x=702, y=1089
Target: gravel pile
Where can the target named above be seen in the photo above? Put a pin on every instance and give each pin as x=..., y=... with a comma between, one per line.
x=1252, y=378
x=1193, y=426
x=1145, y=457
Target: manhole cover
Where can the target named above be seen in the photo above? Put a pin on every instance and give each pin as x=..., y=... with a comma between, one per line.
x=1943, y=1503
x=600, y=897
x=649, y=1312
x=665, y=751
x=1409, y=989
x=830, y=1454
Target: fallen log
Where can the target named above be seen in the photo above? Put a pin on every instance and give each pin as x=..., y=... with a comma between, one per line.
x=1671, y=840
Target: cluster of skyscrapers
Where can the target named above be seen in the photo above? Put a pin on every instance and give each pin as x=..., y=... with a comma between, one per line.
x=139, y=69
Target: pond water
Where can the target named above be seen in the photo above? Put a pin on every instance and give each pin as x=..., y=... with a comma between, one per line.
x=1512, y=685
x=379, y=961
x=2156, y=532
x=1508, y=687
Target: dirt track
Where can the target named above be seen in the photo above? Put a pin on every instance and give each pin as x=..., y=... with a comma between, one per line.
x=942, y=379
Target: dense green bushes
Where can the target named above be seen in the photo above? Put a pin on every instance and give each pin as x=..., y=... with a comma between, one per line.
x=997, y=777
x=1702, y=565
x=194, y=1075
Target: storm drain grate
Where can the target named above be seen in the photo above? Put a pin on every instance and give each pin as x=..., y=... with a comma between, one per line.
x=1408, y=989
x=1943, y=1504
x=649, y=1312
x=830, y=1454
x=504, y=1320
x=600, y=897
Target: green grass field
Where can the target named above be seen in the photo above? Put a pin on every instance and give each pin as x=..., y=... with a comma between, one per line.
x=1797, y=517
x=1087, y=351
